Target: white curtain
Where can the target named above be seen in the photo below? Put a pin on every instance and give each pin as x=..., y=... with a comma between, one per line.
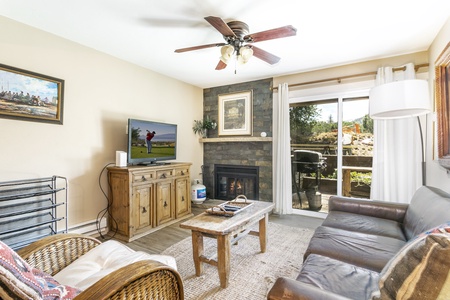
x=397, y=155
x=282, y=154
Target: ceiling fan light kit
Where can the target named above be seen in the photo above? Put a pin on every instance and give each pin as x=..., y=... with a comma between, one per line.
x=237, y=37
x=227, y=52
x=245, y=53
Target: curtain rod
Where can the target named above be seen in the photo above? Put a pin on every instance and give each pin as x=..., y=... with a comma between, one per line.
x=338, y=79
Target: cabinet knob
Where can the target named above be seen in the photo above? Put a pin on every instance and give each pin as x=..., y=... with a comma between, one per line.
x=143, y=178
x=182, y=198
x=144, y=210
x=163, y=175
x=165, y=204
x=182, y=172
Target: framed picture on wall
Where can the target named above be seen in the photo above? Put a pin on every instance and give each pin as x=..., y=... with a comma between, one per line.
x=235, y=114
x=30, y=96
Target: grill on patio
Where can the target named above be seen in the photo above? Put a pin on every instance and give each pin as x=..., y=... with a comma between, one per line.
x=308, y=162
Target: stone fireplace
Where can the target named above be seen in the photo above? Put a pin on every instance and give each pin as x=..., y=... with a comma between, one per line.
x=248, y=152
x=232, y=181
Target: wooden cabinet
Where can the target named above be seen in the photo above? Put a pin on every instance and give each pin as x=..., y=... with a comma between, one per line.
x=182, y=197
x=146, y=198
x=164, y=202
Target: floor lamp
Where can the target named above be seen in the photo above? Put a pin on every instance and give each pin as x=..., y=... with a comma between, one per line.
x=401, y=99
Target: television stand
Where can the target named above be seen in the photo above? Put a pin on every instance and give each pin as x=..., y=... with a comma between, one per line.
x=145, y=199
x=153, y=163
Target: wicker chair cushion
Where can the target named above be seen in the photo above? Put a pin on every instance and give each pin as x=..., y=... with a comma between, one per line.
x=103, y=260
x=18, y=280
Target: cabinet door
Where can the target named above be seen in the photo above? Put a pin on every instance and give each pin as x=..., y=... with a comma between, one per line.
x=120, y=205
x=164, y=206
x=141, y=215
x=182, y=197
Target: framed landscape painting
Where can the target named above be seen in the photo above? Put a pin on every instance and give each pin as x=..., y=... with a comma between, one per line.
x=235, y=114
x=30, y=96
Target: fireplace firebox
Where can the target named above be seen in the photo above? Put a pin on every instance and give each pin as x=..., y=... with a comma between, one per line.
x=232, y=180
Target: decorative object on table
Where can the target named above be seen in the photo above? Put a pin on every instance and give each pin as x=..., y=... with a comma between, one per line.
x=30, y=96
x=201, y=126
x=230, y=208
x=235, y=114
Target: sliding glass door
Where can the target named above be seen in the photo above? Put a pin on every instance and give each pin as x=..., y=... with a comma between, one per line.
x=331, y=151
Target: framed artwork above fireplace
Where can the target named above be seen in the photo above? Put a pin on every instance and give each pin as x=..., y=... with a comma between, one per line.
x=235, y=114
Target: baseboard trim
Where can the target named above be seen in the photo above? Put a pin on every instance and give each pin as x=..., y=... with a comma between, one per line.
x=89, y=228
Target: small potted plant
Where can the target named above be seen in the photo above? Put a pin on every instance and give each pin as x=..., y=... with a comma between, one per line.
x=201, y=126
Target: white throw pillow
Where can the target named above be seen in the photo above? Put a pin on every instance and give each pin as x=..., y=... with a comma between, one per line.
x=103, y=260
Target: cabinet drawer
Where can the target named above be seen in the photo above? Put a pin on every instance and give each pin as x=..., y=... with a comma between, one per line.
x=182, y=171
x=143, y=177
x=162, y=174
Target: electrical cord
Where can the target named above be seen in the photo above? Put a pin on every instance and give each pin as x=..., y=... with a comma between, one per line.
x=106, y=211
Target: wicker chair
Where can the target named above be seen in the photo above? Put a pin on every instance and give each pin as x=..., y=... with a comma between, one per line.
x=145, y=279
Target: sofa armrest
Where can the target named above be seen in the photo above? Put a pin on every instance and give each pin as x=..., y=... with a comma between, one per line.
x=145, y=279
x=53, y=253
x=379, y=209
x=285, y=288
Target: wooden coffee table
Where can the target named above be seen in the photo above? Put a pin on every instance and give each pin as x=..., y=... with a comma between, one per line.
x=227, y=231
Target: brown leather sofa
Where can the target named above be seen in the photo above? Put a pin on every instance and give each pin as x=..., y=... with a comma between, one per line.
x=357, y=239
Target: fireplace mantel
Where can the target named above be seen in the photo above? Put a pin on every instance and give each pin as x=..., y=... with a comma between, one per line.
x=235, y=139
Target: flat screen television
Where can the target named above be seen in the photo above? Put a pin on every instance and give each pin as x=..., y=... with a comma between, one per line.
x=151, y=142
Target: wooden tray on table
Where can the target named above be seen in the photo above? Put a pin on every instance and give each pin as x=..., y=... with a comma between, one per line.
x=230, y=208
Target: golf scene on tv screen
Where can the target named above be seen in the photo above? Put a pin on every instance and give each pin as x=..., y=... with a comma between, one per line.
x=150, y=141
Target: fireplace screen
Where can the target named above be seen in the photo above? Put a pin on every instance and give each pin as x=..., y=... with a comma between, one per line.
x=232, y=181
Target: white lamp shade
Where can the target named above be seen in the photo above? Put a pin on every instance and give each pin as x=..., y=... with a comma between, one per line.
x=245, y=53
x=399, y=99
x=226, y=51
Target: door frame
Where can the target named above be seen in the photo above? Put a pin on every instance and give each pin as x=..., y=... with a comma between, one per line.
x=340, y=96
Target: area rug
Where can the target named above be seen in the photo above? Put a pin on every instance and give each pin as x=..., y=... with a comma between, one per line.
x=252, y=273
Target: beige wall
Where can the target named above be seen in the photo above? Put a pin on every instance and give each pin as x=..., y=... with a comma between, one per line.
x=101, y=93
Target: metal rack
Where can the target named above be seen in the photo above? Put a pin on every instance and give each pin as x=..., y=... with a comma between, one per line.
x=31, y=209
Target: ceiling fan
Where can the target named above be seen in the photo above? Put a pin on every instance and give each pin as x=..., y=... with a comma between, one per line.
x=238, y=41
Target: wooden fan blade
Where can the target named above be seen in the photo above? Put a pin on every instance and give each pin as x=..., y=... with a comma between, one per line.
x=265, y=56
x=199, y=47
x=221, y=65
x=271, y=34
x=220, y=25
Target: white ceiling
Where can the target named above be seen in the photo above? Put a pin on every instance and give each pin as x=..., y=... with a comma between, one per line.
x=146, y=32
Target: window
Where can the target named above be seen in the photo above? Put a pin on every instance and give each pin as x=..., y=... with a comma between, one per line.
x=331, y=144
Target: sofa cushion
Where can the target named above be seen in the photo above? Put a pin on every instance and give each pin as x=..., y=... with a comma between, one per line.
x=421, y=270
x=338, y=277
x=364, y=250
x=103, y=260
x=364, y=224
x=18, y=280
x=429, y=207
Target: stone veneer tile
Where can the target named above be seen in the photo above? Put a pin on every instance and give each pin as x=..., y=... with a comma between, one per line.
x=241, y=153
